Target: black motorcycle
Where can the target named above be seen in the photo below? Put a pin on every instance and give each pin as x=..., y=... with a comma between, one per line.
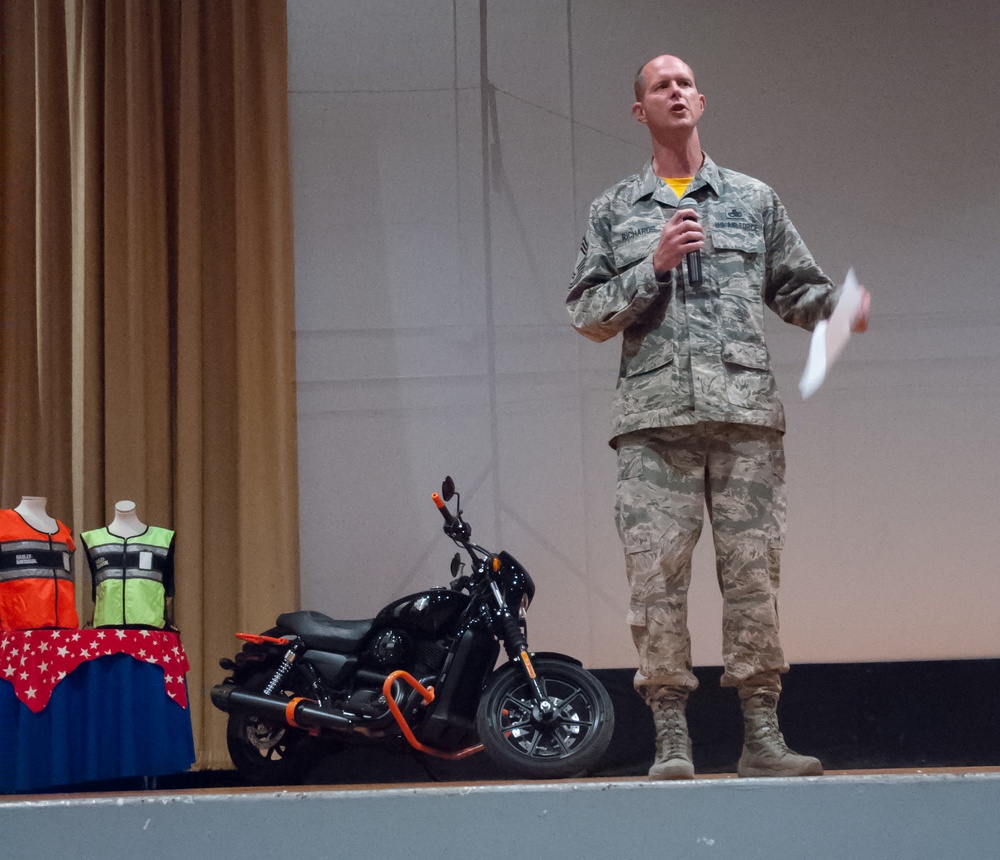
x=421, y=673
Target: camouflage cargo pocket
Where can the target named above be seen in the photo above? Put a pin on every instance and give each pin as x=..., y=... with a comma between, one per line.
x=736, y=261
x=737, y=266
x=749, y=382
x=629, y=491
x=641, y=567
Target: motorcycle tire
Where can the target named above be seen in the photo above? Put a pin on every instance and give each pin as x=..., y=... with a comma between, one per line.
x=569, y=743
x=266, y=752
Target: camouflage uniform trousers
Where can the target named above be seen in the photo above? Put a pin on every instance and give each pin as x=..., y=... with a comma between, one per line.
x=666, y=479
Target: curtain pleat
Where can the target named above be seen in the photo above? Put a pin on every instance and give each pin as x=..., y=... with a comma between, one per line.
x=84, y=41
x=53, y=250
x=34, y=255
x=147, y=337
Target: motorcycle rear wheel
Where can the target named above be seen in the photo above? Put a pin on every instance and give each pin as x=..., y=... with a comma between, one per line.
x=567, y=743
x=266, y=752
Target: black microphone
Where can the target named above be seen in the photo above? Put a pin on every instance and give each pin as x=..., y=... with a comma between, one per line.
x=693, y=259
x=694, y=267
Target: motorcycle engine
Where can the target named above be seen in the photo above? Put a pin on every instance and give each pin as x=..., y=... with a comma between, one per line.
x=391, y=649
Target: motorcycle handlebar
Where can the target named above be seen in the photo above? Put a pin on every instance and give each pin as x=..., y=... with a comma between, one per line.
x=448, y=518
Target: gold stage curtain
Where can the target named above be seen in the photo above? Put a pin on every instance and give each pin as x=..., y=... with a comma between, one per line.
x=147, y=296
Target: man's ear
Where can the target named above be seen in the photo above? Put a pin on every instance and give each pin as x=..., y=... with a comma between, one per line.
x=639, y=112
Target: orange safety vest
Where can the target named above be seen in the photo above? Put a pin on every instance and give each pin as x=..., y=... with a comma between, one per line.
x=37, y=588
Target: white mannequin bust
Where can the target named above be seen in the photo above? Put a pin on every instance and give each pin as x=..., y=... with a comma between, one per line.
x=32, y=511
x=126, y=523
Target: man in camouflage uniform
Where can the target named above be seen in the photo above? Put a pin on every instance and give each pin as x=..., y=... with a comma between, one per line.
x=697, y=418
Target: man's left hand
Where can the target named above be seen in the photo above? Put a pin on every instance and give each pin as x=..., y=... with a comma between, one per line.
x=859, y=322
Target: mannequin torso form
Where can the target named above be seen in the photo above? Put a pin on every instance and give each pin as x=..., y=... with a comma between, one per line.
x=126, y=523
x=32, y=511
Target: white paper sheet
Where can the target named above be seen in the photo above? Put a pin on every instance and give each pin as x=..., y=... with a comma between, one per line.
x=830, y=336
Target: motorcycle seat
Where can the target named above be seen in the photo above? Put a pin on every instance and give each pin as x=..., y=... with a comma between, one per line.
x=325, y=633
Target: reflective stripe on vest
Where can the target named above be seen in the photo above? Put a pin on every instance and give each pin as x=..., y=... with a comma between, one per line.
x=129, y=561
x=30, y=558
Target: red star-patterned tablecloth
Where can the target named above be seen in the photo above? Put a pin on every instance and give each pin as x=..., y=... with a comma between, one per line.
x=34, y=661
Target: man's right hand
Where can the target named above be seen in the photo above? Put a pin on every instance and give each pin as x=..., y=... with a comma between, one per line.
x=681, y=235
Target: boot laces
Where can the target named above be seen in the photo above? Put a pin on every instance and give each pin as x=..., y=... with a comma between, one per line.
x=671, y=734
x=765, y=731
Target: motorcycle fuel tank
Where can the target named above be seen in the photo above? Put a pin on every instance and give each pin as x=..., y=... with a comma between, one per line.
x=425, y=612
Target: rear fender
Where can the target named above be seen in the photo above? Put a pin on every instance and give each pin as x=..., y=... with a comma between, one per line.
x=253, y=656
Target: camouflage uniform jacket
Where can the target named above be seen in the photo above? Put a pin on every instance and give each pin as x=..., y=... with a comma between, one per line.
x=694, y=353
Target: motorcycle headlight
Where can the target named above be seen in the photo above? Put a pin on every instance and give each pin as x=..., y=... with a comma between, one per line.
x=522, y=610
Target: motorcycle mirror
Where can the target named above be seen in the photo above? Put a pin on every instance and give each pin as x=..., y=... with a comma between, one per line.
x=447, y=489
x=456, y=564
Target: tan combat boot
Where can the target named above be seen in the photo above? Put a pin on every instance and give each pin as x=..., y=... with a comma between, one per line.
x=764, y=750
x=673, y=746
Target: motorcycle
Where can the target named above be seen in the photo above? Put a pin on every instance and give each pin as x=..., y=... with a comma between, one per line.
x=423, y=673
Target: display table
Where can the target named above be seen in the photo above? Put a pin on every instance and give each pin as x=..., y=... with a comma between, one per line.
x=84, y=705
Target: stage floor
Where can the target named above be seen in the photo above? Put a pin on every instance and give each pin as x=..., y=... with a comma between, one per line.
x=911, y=813
x=413, y=786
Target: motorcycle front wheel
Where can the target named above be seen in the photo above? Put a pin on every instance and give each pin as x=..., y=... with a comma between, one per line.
x=265, y=752
x=566, y=740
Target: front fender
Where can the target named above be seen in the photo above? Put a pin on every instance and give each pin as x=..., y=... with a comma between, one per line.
x=543, y=655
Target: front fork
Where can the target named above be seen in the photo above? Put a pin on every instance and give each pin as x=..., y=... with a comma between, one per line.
x=516, y=645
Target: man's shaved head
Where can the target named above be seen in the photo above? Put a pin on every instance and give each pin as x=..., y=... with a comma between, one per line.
x=639, y=85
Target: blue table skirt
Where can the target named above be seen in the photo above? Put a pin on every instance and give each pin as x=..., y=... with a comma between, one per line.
x=109, y=718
